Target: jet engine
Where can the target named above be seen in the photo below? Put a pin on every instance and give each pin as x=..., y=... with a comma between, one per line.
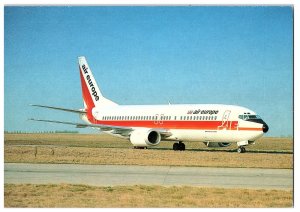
x=217, y=144
x=145, y=137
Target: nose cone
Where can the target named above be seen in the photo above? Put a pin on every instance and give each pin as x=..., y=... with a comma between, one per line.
x=265, y=128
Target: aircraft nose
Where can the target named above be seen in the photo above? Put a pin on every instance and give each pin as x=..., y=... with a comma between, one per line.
x=265, y=128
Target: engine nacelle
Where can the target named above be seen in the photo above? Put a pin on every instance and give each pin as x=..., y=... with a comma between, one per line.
x=145, y=137
x=217, y=144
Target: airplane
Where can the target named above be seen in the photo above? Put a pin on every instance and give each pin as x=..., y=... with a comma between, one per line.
x=216, y=125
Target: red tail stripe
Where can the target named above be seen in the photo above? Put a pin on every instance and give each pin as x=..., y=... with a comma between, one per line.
x=86, y=96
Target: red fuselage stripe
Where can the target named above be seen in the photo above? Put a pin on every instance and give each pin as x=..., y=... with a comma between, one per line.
x=193, y=125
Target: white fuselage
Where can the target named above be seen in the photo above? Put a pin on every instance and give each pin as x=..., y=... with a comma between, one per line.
x=189, y=122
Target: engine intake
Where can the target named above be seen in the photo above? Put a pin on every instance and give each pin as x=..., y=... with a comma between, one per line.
x=145, y=137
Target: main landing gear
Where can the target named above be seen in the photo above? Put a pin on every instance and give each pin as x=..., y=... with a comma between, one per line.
x=140, y=147
x=241, y=149
x=179, y=146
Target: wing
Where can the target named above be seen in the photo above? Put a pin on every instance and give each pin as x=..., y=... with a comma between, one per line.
x=120, y=130
x=124, y=131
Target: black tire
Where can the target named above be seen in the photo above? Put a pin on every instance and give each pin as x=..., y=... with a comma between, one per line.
x=181, y=146
x=176, y=146
x=241, y=149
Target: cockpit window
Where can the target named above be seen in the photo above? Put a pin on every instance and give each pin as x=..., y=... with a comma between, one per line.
x=246, y=117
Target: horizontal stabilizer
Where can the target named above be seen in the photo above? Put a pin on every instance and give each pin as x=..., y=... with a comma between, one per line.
x=80, y=111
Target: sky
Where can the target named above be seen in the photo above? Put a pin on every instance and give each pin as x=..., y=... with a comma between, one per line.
x=148, y=55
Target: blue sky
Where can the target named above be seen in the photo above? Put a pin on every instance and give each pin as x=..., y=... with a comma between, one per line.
x=148, y=55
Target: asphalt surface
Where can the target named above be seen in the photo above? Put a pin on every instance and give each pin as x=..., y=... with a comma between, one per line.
x=112, y=175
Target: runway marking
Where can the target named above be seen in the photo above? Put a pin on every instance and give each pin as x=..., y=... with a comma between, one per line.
x=111, y=175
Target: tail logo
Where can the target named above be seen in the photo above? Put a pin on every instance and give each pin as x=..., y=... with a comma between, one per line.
x=89, y=80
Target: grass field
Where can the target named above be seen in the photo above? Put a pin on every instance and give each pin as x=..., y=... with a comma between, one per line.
x=65, y=195
x=102, y=149
x=104, y=141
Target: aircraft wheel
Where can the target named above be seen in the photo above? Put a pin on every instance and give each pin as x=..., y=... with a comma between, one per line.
x=176, y=146
x=241, y=149
x=181, y=146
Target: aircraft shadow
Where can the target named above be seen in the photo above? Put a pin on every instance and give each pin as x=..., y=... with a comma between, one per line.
x=230, y=150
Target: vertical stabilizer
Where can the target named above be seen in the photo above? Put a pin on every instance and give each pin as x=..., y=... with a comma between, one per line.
x=92, y=96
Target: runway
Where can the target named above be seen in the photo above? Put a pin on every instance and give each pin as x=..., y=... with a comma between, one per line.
x=112, y=175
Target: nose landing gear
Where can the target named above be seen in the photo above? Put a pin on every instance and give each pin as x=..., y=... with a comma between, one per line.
x=241, y=149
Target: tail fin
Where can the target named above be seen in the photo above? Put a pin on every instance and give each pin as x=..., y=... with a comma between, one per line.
x=91, y=93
